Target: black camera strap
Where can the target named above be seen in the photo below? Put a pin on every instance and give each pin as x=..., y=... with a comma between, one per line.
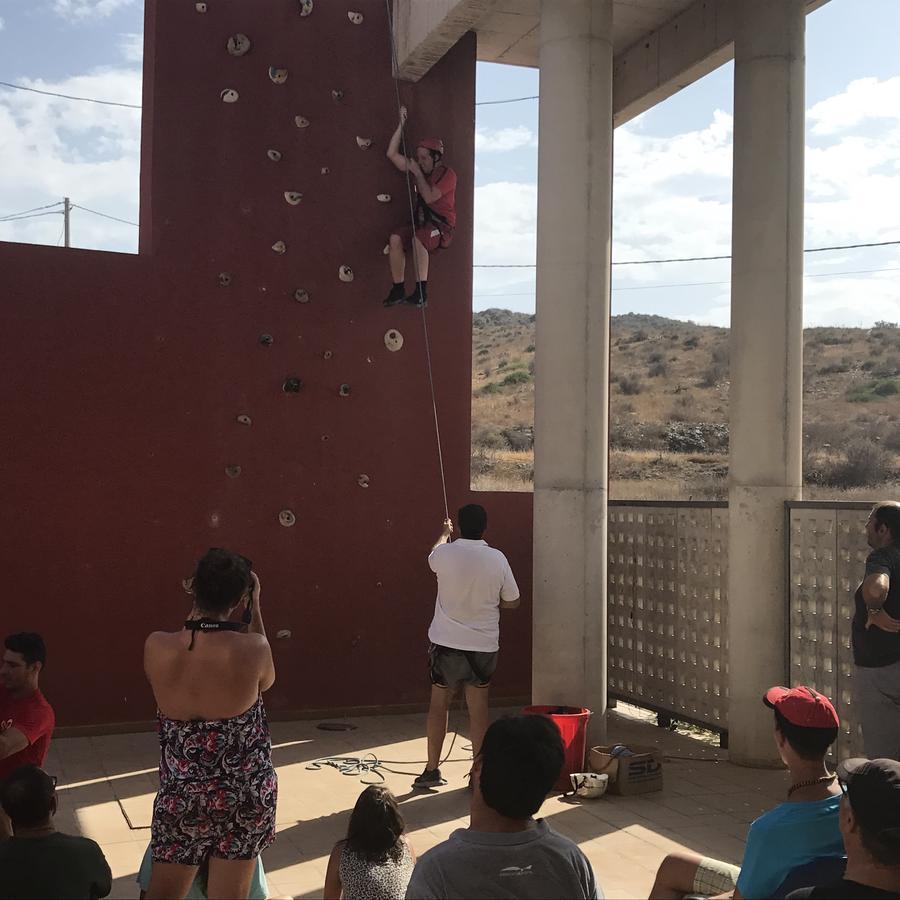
x=195, y=625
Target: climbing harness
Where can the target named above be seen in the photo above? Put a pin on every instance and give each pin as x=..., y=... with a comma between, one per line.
x=412, y=221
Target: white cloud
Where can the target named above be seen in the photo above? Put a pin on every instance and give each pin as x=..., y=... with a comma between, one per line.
x=2, y=23
x=864, y=99
x=83, y=10
x=53, y=148
x=131, y=46
x=502, y=140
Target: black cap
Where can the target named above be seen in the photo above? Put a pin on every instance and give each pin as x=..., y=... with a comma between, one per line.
x=873, y=788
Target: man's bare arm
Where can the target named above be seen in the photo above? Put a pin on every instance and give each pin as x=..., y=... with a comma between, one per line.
x=445, y=534
x=11, y=741
x=428, y=193
x=875, y=589
x=393, y=150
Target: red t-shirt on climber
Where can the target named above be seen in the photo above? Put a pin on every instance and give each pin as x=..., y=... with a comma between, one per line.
x=444, y=179
x=34, y=717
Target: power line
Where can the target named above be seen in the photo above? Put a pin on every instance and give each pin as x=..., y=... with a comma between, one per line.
x=35, y=209
x=21, y=87
x=650, y=287
x=511, y=100
x=685, y=259
x=57, y=212
x=104, y=215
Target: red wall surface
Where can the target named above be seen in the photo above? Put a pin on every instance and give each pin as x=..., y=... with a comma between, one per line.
x=122, y=377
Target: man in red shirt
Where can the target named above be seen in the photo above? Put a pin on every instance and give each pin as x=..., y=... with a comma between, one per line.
x=26, y=718
x=434, y=214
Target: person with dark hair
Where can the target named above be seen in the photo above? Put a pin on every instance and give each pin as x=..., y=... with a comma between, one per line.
x=434, y=214
x=474, y=583
x=505, y=851
x=26, y=718
x=217, y=784
x=876, y=636
x=39, y=861
x=375, y=860
x=870, y=825
x=796, y=832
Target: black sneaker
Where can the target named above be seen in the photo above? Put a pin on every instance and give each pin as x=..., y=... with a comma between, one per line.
x=415, y=300
x=429, y=778
x=395, y=296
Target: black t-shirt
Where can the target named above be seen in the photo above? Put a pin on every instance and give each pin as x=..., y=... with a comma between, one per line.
x=838, y=890
x=62, y=866
x=872, y=647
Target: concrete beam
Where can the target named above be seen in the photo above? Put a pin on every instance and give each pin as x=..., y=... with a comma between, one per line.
x=676, y=55
x=424, y=32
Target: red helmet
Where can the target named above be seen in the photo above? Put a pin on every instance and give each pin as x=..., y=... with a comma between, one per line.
x=432, y=143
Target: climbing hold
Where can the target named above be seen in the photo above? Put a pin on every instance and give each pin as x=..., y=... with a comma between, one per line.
x=277, y=76
x=266, y=340
x=387, y=249
x=224, y=278
x=292, y=385
x=214, y=520
x=293, y=197
x=232, y=471
x=344, y=390
x=363, y=143
x=274, y=155
x=244, y=420
x=301, y=295
x=279, y=246
x=384, y=198
x=325, y=170
x=287, y=518
x=283, y=633
x=355, y=17
x=324, y=437
x=369, y=359
x=327, y=354
x=393, y=340
x=238, y=44
x=301, y=122
x=337, y=95
x=345, y=273
x=363, y=481
x=200, y=7
x=306, y=7
x=229, y=95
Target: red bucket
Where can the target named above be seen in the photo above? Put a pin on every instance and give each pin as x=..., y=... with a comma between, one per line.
x=572, y=724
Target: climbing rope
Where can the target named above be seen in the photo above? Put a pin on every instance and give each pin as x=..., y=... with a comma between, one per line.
x=412, y=222
x=371, y=769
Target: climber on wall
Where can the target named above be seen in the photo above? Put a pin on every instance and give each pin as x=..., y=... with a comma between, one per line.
x=434, y=213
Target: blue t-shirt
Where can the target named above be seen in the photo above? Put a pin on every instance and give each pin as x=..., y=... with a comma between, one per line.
x=259, y=889
x=786, y=837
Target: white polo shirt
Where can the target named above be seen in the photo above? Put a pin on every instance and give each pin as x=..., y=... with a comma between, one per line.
x=472, y=580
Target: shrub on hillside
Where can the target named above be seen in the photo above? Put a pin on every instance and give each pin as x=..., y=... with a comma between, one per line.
x=696, y=437
x=491, y=388
x=873, y=390
x=864, y=462
x=630, y=385
x=519, y=438
x=484, y=436
x=712, y=375
x=519, y=376
x=658, y=370
x=636, y=436
x=691, y=343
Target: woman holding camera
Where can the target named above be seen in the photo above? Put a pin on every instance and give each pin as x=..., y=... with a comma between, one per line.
x=217, y=785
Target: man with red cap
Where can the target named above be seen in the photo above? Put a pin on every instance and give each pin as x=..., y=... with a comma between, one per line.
x=870, y=824
x=434, y=213
x=794, y=833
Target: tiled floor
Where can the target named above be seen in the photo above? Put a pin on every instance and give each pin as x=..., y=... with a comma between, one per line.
x=107, y=784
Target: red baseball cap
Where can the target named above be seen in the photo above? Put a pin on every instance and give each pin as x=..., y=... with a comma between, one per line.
x=432, y=143
x=802, y=706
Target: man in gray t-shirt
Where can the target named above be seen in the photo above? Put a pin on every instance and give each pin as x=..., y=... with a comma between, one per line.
x=505, y=852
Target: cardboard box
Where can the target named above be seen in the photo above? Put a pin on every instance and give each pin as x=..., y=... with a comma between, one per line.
x=637, y=774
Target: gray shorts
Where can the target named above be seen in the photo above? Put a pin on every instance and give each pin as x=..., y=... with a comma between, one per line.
x=450, y=667
x=876, y=696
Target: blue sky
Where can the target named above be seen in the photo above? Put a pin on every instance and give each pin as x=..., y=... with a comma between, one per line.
x=673, y=178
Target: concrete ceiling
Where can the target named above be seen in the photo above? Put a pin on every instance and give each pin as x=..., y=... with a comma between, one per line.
x=509, y=32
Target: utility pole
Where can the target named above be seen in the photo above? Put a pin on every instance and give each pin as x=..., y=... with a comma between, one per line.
x=67, y=207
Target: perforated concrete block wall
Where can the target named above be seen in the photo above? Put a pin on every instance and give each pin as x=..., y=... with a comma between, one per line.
x=145, y=415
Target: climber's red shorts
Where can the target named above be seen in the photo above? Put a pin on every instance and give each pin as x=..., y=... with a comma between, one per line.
x=429, y=236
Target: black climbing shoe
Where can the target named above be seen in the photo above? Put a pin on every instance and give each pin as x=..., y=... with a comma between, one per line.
x=429, y=778
x=416, y=300
x=395, y=296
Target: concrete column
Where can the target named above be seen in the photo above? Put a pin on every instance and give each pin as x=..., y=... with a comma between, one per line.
x=572, y=361
x=766, y=356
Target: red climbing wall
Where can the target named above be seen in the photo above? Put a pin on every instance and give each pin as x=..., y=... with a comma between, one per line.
x=123, y=376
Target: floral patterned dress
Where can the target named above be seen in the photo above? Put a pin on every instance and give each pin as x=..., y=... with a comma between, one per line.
x=217, y=789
